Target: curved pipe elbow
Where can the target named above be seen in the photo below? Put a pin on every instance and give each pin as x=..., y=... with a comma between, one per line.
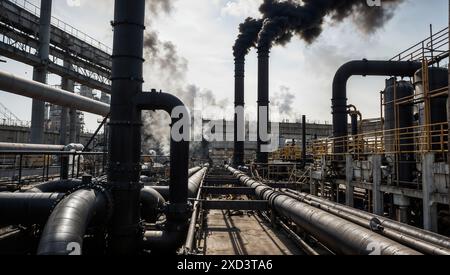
x=371, y=67
x=179, y=146
x=58, y=186
x=151, y=202
x=69, y=221
x=363, y=68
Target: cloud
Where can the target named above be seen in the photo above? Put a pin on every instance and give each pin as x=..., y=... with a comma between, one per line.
x=240, y=8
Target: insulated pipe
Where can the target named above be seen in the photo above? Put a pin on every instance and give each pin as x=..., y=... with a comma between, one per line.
x=419, y=245
x=151, y=203
x=125, y=126
x=263, y=103
x=26, y=208
x=170, y=240
x=28, y=88
x=192, y=186
x=336, y=233
x=364, y=68
x=69, y=221
x=189, y=244
x=402, y=228
x=29, y=147
x=239, y=115
x=179, y=150
x=59, y=186
x=194, y=170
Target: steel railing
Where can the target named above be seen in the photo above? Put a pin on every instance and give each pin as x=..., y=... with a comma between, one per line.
x=35, y=10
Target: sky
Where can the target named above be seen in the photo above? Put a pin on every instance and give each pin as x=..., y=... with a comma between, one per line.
x=204, y=32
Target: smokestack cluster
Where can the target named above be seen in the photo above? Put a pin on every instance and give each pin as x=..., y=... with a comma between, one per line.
x=282, y=20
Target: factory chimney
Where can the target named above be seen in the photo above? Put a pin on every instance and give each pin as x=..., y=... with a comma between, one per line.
x=239, y=116
x=263, y=103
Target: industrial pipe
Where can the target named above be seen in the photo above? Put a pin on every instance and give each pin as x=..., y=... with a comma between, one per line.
x=170, y=240
x=403, y=229
x=67, y=225
x=364, y=68
x=151, y=203
x=194, y=170
x=125, y=126
x=26, y=208
x=189, y=244
x=373, y=224
x=192, y=187
x=179, y=149
x=29, y=147
x=57, y=186
x=336, y=233
x=32, y=89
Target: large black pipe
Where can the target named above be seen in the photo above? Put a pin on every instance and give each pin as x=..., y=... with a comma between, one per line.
x=401, y=228
x=192, y=186
x=151, y=204
x=239, y=116
x=57, y=186
x=67, y=225
x=125, y=126
x=179, y=150
x=26, y=208
x=336, y=233
x=364, y=68
x=170, y=240
x=263, y=103
x=358, y=217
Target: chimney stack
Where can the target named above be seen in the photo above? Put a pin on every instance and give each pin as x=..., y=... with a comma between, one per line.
x=239, y=117
x=263, y=99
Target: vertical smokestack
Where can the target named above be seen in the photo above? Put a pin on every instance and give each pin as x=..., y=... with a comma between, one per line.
x=125, y=126
x=40, y=72
x=304, y=140
x=354, y=119
x=239, y=117
x=263, y=100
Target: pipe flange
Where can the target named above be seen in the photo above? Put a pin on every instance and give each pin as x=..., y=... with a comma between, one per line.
x=273, y=197
x=376, y=226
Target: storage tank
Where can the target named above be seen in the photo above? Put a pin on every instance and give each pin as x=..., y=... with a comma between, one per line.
x=402, y=119
x=438, y=78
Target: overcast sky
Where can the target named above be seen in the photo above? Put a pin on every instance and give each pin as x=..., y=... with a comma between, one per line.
x=204, y=32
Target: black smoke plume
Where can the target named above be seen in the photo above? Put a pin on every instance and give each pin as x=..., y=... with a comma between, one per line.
x=284, y=19
x=248, y=35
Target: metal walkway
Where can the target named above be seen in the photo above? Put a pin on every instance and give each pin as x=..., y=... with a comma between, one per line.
x=234, y=223
x=19, y=31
